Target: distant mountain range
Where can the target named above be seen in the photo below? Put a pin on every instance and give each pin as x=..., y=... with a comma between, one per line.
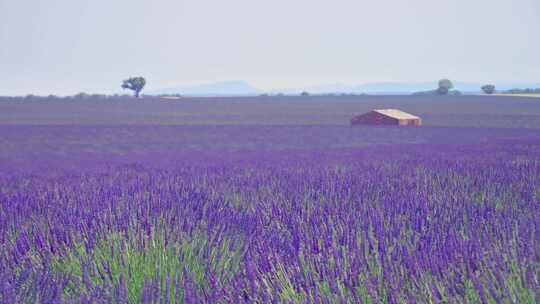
x=242, y=88
x=224, y=88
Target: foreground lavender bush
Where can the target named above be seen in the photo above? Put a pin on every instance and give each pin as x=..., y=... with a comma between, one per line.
x=403, y=224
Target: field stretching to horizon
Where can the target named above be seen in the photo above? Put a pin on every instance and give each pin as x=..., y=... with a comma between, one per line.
x=440, y=111
x=269, y=200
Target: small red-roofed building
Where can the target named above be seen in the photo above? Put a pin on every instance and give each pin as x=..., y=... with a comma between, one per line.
x=387, y=117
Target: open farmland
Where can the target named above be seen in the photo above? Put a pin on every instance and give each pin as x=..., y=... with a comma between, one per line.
x=269, y=200
x=449, y=111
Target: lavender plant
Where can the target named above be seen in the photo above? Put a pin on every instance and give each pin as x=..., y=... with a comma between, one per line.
x=425, y=224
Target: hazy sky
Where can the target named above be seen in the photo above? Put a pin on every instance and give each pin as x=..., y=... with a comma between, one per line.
x=68, y=46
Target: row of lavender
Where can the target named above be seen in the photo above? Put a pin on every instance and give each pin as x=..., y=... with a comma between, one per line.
x=428, y=224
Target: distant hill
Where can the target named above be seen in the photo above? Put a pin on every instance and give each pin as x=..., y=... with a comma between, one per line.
x=243, y=88
x=369, y=88
x=225, y=88
x=394, y=88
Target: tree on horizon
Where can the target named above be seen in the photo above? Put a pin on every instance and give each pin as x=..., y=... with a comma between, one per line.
x=445, y=86
x=136, y=84
x=488, y=89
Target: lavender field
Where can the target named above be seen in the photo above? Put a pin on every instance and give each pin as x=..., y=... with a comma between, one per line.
x=248, y=209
